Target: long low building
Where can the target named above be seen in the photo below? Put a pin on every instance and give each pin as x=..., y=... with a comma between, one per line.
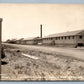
x=66, y=39
x=31, y=41
x=70, y=38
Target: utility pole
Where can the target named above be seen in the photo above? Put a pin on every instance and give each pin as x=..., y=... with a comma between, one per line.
x=0, y=43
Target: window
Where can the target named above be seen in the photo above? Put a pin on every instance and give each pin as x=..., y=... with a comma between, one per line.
x=69, y=37
x=59, y=38
x=62, y=38
x=50, y=38
x=80, y=37
x=65, y=37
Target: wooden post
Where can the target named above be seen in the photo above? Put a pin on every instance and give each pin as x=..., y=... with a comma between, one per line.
x=0, y=43
x=41, y=30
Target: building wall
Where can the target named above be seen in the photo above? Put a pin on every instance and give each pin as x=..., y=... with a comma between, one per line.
x=22, y=42
x=18, y=42
x=61, y=40
x=65, y=40
x=29, y=42
x=47, y=41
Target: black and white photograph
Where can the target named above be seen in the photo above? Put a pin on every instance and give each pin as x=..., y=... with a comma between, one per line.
x=42, y=42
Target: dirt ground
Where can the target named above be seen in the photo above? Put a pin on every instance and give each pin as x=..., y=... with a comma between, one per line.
x=49, y=66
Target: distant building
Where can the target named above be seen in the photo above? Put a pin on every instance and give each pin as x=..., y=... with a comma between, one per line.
x=31, y=41
x=8, y=41
x=19, y=41
x=13, y=41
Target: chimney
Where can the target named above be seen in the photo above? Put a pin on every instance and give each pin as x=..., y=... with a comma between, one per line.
x=41, y=30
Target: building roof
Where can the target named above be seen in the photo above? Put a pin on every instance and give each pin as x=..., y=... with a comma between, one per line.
x=68, y=33
x=31, y=38
x=21, y=39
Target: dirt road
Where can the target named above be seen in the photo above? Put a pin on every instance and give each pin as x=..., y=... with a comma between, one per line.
x=28, y=62
x=77, y=53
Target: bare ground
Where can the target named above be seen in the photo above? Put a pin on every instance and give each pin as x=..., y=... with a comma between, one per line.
x=50, y=65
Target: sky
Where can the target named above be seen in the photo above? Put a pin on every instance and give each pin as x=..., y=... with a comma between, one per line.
x=23, y=20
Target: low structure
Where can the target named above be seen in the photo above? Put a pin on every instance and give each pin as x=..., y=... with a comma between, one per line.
x=31, y=41
x=19, y=41
x=70, y=39
x=13, y=41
